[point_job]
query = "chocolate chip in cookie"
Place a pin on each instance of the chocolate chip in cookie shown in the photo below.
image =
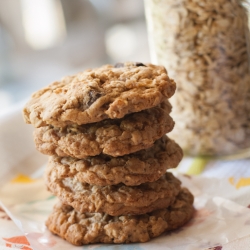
(93, 96)
(140, 64)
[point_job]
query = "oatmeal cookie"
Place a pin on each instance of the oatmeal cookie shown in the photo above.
(84, 228)
(114, 199)
(147, 165)
(98, 94)
(114, 137)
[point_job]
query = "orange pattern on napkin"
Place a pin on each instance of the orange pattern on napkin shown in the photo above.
(18, 242)
(242, 182)
(22, 179)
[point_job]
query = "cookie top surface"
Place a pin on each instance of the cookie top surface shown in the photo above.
(114, 199)
(97, 94)
(114, 137)
(147, 165)
(84, 228)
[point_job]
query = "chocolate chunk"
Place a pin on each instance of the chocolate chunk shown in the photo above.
(119, 65)
(139, 64)
(93, 96)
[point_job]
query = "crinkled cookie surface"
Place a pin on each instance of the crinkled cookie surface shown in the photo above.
(84, 228)
(98, 94)
(114, 137)
(114, 199)
(147, 165)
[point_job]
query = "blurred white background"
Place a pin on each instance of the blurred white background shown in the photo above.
(43, 40)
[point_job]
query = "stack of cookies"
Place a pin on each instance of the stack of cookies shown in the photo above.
(105, 131)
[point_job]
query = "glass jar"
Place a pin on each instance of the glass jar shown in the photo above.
(204, 46)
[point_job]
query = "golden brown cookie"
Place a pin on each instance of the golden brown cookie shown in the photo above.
(114, 137)
(114, 199)
(147, 165)
(84, 228)
(98, 94)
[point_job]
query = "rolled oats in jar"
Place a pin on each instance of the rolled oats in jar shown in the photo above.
(204, 46)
